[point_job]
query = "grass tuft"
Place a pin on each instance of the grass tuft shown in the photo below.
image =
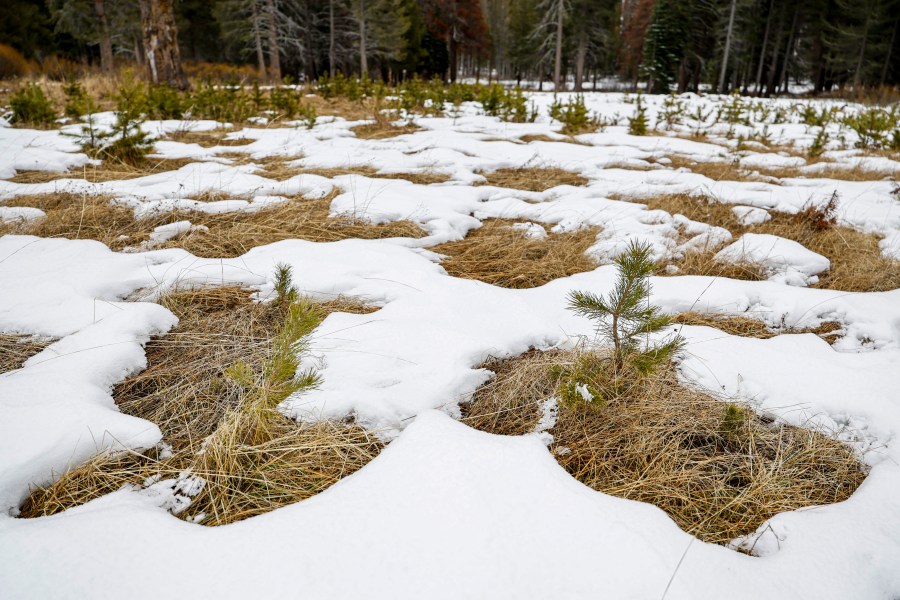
(499, 254)
(229, 235)
(717, 468)
(108, 170)
(213, 385)
(16, 349)
(857, 263)
(532, 179)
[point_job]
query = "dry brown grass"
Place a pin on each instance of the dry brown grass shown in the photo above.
(107, 171)
(717, 468)
(251, 463)
(717, 171)
(16, 349)
(730, 324)
(830, 331)
(497, 253)
(77, 216)
(82, 216)
(339, 106)
(833, 171)
(233, 234)
(280, 169)
(540, 137)
(210, 138)
(857, 264)
(533, 179)
(705, 263)
(733, 171)
(380, 131)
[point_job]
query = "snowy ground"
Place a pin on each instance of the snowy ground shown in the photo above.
(446, 511)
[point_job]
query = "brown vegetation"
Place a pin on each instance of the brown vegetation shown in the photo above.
(382, 130)
(209, 138)
(229, 235)
(857, 264)
(532, 179)
(253, 459)
(499, 254)
(829, 331)
(108, 170)
(280, 169)
(716, 467)
(16, 349)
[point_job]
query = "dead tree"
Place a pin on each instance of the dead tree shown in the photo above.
(161, 43)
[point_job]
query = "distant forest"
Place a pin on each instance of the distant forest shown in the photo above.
(755, 46)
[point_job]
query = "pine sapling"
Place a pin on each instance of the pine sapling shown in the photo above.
(625, 315)
(637, 125)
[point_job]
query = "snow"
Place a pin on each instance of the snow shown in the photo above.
(446, 511)
(461, 514)
(784, 260)
(20, 214)
(750, 215)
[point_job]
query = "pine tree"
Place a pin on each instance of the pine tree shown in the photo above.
(664, 45)
(624, 315)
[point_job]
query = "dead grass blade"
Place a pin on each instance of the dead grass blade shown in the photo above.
(830, 331)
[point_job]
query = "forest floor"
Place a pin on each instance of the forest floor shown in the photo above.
(151, 421)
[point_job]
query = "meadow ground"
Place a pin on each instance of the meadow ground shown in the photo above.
(196, 345)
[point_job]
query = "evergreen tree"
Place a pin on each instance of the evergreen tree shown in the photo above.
(664, 45)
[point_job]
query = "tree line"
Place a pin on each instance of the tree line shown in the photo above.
(754, 46)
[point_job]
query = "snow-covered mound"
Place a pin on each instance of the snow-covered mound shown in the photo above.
(784, 260)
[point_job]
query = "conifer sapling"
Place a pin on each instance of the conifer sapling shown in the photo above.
(625, 314)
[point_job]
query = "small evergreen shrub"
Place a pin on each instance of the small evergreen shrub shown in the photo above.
(672, 112)
(163, 102)
(637, 125)
(78, 101)
(875, 127)
(574, 116)
(819, 143)
(31, 106)
(624, 319)
(509, 105)
(284, 101)
(125, 142)
(734, 110)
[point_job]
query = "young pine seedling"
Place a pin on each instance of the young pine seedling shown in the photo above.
(625, 318)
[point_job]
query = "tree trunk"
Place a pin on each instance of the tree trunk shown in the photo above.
(776, 50)
(274, 49)
(363, 64)
(161, 43)
(557, 68)
(106, 50)
(890, 52)
(580, 54)
(762, 52)
(857, 73)
(788, 51)
(138, 51)
(727, 47)
(818, 51)
(331, 38)
(257, 39)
